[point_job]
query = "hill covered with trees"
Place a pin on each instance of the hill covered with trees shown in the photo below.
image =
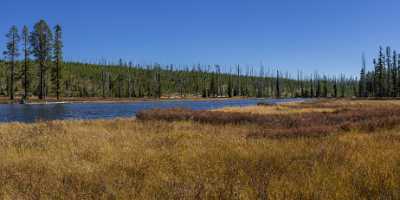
(33, 66)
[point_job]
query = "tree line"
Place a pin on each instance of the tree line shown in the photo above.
(46, 50)
(384, 79)
(34, 66)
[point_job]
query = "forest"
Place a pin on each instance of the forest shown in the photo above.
(33, 66)
(384, 79)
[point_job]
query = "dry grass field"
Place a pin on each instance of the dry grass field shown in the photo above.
(332, 149)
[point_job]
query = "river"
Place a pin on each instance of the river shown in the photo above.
(33, 113)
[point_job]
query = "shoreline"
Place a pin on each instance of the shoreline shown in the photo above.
(4, 101)
(135, 106)
(98, 100)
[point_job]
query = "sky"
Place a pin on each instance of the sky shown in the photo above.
(328, 36)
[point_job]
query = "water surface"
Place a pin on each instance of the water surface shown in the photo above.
(32, 113)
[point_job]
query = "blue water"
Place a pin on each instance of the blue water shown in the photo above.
(32, 113)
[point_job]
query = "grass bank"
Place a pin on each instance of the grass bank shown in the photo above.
(225, 154)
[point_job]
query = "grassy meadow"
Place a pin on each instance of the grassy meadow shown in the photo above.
(329, 149)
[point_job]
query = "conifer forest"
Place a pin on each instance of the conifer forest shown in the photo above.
(33, 65)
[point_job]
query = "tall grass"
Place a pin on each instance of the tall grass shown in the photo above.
(147, 159)
(344, 118)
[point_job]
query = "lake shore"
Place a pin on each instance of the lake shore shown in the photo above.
(330, 149)
(83, 100)
(52, 100)
(34, 112)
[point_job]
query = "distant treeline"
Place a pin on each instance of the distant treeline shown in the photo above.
(34, 66)
(384, 79)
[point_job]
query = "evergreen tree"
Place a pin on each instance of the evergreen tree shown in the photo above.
(236, 91)
(278, 87)
(230, 87)
(312, 88)
(12, 54)
(342, 86)
(380, 73)
(27, 51)
(363, 81)
(395, 75)
(41, 43)
(318, 92)
(158, 83)
(398, 73)
(57, 55)
(388, 74)
(335, 88)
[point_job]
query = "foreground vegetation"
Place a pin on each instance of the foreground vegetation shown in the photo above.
(166, 157)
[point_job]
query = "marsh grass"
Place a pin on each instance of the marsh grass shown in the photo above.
(188, 159)
(362, 116)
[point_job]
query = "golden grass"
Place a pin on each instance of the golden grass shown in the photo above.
(131, 159)
(273, 109)
(307, 107)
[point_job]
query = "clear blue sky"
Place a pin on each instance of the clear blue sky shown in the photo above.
(324, 35)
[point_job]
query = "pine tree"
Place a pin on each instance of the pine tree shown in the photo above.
(398, 73)
(363, 81)
(312, 88)
(27, 51)
(230, 87)
(335, 88)
(395, 74)
(278, 87)
(103, 83)
(57, 56)
(212, 89)
(388, 74)
(381, 73)
(325, 87)
(158, 82)
(318, 92)
(342, 86)
(236, 91)
(12, 54)
(41, 39)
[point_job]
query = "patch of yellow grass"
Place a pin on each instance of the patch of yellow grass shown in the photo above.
(307, 107)
(273, 109)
